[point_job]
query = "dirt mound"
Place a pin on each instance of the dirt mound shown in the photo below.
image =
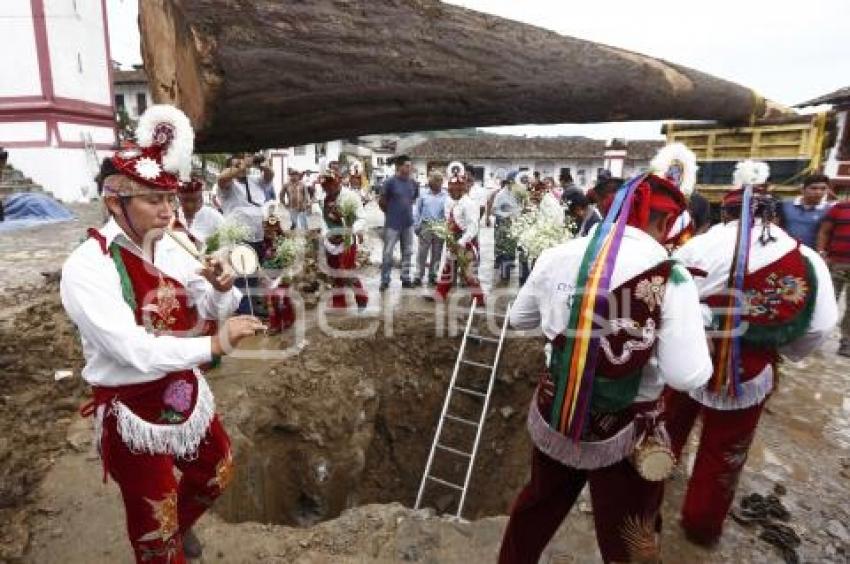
(36, 340)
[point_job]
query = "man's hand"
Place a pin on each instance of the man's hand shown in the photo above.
(217, 274)
(234, 330)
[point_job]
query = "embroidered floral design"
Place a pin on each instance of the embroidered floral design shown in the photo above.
(178, 395)
(223, 472)
(646, 333)
(166, 302)
(651, 291)
(165, 514)
(779, 289)
(638, 534)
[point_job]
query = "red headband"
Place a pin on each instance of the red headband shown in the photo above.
(656, 194)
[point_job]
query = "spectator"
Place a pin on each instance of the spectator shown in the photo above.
(430, 208)
(584, 215)
(801, 217)
(569, 190)
(700, 211)
(833, 244)
(602, 194)
(396, 201)
(241, 197)
(296, 197)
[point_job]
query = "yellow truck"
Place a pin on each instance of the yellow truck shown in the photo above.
(793, 147)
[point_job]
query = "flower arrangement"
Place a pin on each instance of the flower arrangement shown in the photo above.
(230, 233)
(348, 204)
(442, 230)
(537, 231)
(286, 253)
(520, 192)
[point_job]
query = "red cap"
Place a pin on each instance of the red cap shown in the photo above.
(656, 194)
(194, 186)
(733, 198)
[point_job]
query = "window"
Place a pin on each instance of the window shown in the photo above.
(141, 102)
(119, 103)
(300, 151)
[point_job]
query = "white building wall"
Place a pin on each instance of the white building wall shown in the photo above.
(18, 59)
(67, 173)
(841, 123)
(78, 50)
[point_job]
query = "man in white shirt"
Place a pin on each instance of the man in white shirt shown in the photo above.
(790, 310)
(198, 220)
(140, 301)
(649, 335)
(241, 195)
(461, 258)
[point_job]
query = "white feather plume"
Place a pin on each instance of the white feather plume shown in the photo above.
(453, 165)
(677, 153)
(177, 156)
(750, 173)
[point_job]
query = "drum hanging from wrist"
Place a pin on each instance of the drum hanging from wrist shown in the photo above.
(653, 458)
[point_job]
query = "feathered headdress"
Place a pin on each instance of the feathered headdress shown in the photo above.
(678, 164)
(456, 173)
(750, 173)
(163, 158)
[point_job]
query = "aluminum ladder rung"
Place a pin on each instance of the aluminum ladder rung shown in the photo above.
(483, 338)
(461, 420)
(445, 415)
(445, 483)
(478, 364)
(470, 392)
(485, 313)
(454, 450)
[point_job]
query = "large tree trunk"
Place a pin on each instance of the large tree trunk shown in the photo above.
(269, 73)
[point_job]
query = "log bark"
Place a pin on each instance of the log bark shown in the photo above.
(273, 73)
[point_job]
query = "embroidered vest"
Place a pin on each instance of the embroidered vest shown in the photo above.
(169, 415)
(779, 302)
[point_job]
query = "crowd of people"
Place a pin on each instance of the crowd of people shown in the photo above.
(617, 400)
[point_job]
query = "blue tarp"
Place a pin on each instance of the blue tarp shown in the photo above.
(28, 209)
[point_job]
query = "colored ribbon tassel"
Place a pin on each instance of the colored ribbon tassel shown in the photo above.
(727, 379)
(576, 362)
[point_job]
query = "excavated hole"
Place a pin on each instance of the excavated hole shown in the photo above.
(350, 422)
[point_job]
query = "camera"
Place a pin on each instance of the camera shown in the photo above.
(258, 159)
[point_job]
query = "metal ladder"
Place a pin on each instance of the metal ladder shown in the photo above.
(446, 416)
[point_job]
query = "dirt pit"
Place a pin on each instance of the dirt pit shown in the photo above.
(350, 422)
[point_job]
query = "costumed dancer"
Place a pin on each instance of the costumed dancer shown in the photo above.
(343, 231)
(137, 297)
(678, 164)
(462, 250)
(281, 312)
(193, 217)
(596, 417)
(789, 306)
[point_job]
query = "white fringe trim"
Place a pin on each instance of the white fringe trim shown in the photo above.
(180, 440)
(753, 392)
(584, 455)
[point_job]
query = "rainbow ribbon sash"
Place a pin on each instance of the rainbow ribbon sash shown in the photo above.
(576, 362)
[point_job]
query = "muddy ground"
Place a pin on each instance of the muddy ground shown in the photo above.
(331, 441)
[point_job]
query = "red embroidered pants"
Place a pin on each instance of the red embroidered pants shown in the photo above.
(347, 260)
(625, 511)
(723, 446)
(281, 310)
(447, 276)
(159, 507)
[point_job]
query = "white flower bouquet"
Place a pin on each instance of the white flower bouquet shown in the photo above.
(537, 231)
(348, 204)
(228, 234)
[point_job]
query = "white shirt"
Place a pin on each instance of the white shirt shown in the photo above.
(119, 352)
(712, 252)
(680, 359)
(466, 214)
(236, 206)
(207, 220)
(551, 209)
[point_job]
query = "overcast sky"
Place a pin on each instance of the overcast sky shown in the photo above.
(788, 51)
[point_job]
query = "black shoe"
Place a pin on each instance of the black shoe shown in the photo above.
(384, 286)
(417, 283)
(432, 281)
(407, 284)
(192, 546)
